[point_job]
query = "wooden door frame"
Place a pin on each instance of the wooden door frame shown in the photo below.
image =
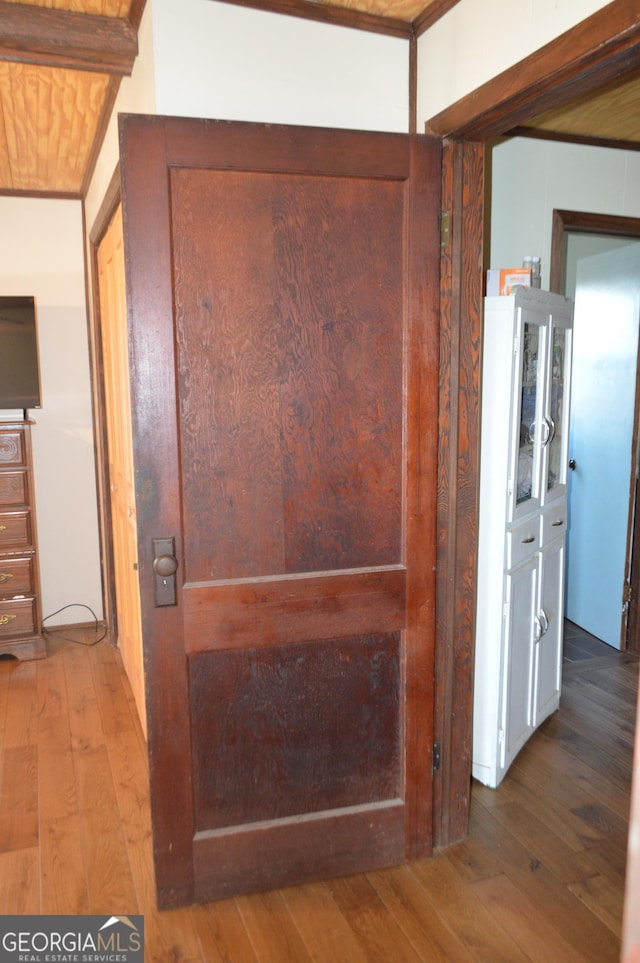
(594, 51)
(582, 222)
(107, 209)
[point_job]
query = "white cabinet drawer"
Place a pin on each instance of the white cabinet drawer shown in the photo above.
(554, 523)
(523, 542)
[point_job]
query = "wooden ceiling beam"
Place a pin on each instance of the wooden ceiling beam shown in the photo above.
(63, 38)
(329, 13)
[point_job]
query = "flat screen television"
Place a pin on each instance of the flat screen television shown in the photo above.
(19, 364)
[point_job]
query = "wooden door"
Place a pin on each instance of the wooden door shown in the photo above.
(283, 297)
(117, 408)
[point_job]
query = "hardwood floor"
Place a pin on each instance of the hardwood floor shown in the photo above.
(540, 876)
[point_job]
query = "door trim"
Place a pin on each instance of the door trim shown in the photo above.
(458, 477)
(96, 234)
(592, 52)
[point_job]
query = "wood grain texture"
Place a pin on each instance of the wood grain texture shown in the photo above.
(40, 108)
(316, 727)
(609, 110)
(301, 442)
(256, 612)
(458, 473)
(290, 371)
(337, 14)
(121, 548)
(101, 8)
(13, 488)
(37, 34)
(502, 893)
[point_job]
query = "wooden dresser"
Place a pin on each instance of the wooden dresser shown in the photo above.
(20, 607)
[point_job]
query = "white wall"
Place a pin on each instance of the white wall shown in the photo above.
(41, 253)
(532, 177)
(476, 41)
(233, 63)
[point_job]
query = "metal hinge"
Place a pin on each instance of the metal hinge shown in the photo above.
(626, 593)
(437, 756)
(445, 229)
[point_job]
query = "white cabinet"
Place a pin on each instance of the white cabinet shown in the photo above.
(523, 483)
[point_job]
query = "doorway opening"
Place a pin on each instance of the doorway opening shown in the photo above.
(591, 255)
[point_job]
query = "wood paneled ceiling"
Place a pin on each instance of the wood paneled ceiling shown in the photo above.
(61, 62)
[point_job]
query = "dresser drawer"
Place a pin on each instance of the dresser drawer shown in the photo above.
(17, 617)
(16, 577)
(13, 488)
(12, 448)
(15, 530)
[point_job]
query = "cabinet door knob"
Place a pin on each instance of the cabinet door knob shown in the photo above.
(541, 625)
(572, 464)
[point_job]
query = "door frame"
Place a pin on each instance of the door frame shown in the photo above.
(582, 222)
(98, 230)
(596, 50)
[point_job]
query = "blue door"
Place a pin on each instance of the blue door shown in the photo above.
(605, 349)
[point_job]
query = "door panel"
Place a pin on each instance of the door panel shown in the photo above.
(605, 351)
(316, 726)
(283, 290)
(548, 648)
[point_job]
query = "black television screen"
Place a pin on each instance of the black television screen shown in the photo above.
(19, 367)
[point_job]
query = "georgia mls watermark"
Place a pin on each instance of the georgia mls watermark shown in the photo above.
(71, 939)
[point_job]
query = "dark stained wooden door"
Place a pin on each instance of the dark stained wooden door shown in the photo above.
(283, 296)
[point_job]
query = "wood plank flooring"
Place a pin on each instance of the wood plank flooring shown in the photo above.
(540, 876)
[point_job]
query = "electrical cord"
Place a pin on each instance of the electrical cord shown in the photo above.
(66, 638)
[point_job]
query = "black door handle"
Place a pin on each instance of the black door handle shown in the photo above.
(165, 566)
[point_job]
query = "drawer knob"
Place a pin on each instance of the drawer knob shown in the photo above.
(5, 577)
(5, 619)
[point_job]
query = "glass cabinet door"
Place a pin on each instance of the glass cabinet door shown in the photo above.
(556, 420)
(530, 424)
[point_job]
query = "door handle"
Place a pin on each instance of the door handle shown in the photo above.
(541, 625)
(165, 566)
(550, 425)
